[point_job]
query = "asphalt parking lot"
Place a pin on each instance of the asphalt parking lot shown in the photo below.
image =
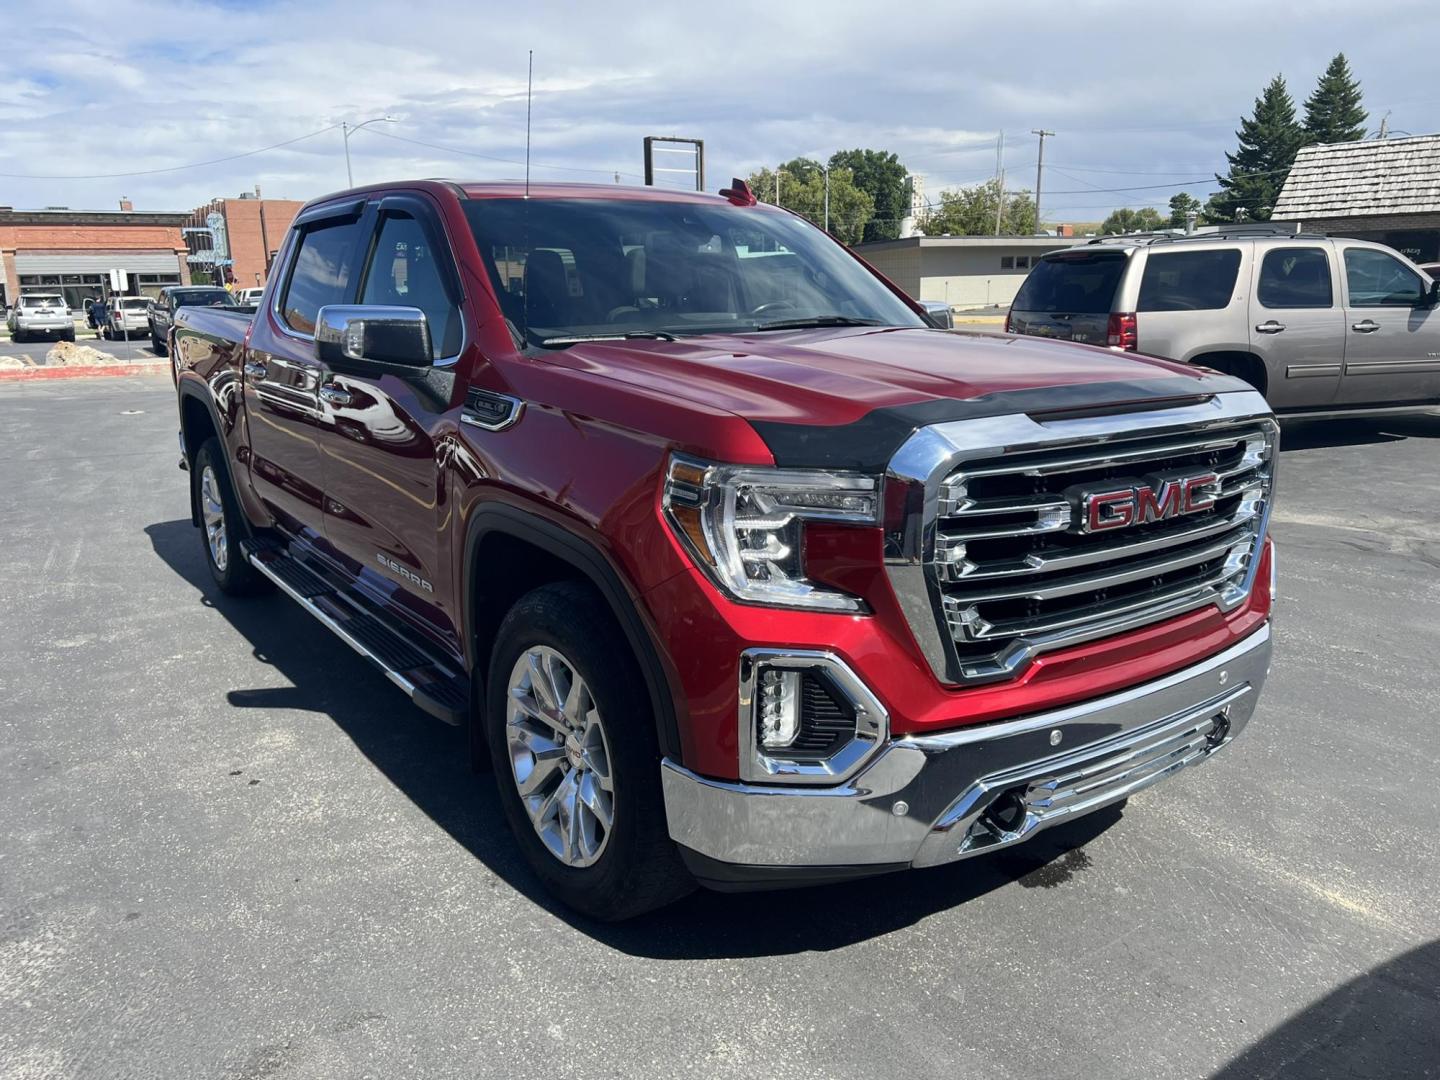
(229, 848)
(136, 349)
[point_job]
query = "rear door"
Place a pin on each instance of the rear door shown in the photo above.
(1069, 295)
(1392, 338)
(1297, 325)
(384, 494)
(282, 376)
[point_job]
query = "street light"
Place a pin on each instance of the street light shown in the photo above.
(347, 129)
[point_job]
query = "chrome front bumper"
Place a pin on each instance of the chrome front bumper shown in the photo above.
(927, 800)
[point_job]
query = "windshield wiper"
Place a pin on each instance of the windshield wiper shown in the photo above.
(577, 339)
(818, 320)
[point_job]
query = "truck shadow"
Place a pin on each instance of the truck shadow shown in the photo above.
(428, 761)
(1301, 434)
(1385, 1022)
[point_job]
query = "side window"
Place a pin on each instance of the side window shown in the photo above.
(1189, 280)
(321, 273)
(404, 272)
(1295, 278)
(1375, 279)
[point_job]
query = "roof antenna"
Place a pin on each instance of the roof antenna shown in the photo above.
(529, 92)
(525, 212)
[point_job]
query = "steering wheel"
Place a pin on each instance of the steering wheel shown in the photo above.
(773, 305)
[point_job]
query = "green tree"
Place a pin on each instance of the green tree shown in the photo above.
(802, 189)
(1333, 113)
(881, 176)
(1181, 206)
(1125, 220)
(970, 211)
(1269, 140)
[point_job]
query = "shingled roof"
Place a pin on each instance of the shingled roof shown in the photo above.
(1377, 176)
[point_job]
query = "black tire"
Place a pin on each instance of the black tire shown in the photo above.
(18, 337)
(212, 492)
(157, 345)
(638, 867)
(68, 335)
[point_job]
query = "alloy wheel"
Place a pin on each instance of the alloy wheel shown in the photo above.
(559, 756)
(212, 513)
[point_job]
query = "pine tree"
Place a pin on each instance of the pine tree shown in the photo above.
(1269, 140)
(1333, 113)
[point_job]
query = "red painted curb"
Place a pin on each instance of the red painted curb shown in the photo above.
(27, 374)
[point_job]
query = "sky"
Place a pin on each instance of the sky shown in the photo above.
(1144, 97)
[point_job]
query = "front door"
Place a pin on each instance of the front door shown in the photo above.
(1392, 339)
(282, 377)
(1297, 327)
(385, 497)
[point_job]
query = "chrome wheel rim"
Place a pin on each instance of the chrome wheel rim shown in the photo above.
(212, 514)
(559, 756)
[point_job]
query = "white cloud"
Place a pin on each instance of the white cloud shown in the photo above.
(1128, 86)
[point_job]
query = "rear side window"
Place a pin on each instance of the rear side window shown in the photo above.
(321, 273)
(1081, 284)
(1295, 278)
(1189, 280)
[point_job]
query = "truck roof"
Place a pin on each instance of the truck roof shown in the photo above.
(515, 189)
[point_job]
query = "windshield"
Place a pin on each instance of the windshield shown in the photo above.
(203, 298)
(639, 267)
(1076, 284)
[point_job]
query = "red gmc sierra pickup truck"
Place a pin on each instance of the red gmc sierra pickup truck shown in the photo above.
(738, 570)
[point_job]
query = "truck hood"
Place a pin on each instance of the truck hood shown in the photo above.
(834, 377)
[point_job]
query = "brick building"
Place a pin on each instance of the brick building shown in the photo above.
(237, 239)
(1386, 190)
(73, 251)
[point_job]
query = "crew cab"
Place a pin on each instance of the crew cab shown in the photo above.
(736, 568)
(160, 312)
(1315, 323)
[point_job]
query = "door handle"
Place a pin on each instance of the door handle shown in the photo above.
(334, 395)
(1365, 326)
(1271, 327)
(255, 369)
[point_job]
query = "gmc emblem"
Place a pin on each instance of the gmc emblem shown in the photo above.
(1152, 499)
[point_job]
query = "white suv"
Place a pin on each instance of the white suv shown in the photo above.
(42, 314)
(1316, 323)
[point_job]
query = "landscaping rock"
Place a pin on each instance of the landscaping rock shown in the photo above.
(71, 354)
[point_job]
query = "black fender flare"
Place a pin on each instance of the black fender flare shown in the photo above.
(191, 389)
(585, 557)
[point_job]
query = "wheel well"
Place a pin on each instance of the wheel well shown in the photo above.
(195, 424)
(506, 568)
(508, 552)
(1245, 366)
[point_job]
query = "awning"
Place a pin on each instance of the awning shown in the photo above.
(90, 262)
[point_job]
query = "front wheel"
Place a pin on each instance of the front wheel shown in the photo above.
(220, 524)
(576, 760)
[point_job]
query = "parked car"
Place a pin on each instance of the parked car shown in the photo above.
(126, 318)
(161, 311)
(738, 569)
(40, 315)
(249, 297)
(1315, 323)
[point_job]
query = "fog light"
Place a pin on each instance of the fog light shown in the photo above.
(779, 707)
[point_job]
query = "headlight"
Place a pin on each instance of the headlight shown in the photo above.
(744, 525)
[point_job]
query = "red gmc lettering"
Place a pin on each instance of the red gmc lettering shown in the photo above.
(1110, 510)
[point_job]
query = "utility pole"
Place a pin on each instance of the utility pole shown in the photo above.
(1039, 167)
(999, 181)
(347, 129)
(777, 185)
(827, 197)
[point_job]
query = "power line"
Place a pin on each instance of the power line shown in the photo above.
(173, 168)
(501, 160)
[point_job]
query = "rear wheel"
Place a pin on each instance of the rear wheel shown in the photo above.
(221, 528)
(156, 344)
(18, 337)
(576, 760)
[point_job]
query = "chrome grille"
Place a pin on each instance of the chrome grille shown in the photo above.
(1008, 570)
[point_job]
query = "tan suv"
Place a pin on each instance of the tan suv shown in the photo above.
(1315, 323)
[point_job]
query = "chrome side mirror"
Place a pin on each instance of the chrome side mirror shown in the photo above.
(372, 339)
(939, 314)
